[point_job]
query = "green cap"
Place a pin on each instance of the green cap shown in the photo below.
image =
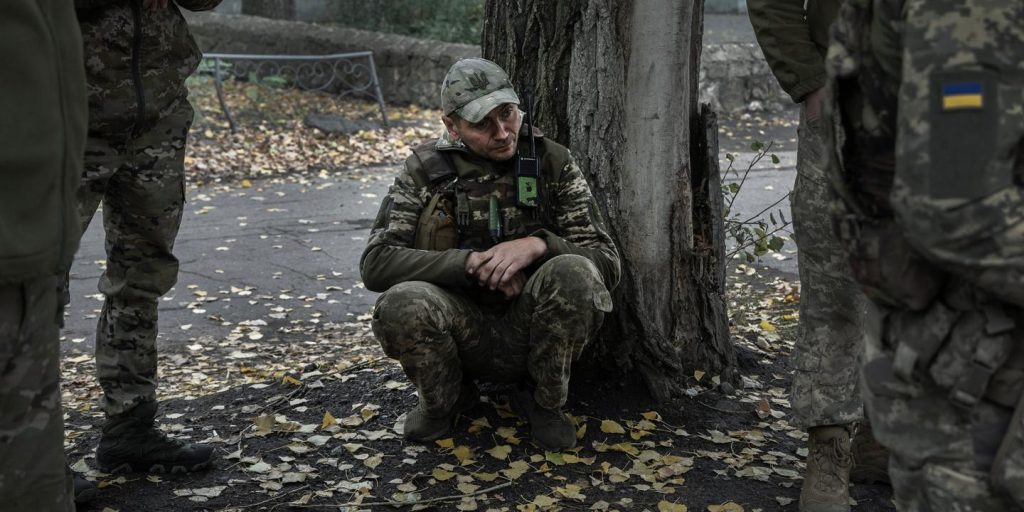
(473, 87)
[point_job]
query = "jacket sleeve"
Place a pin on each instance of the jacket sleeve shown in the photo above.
(389, 258)
(93, 4)
(580, 227)
(198, 5)
(784, 34)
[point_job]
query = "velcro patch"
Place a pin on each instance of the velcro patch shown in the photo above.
(963, 95)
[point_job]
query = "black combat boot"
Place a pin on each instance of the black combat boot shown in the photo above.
(85, 491)
(131, 443)
(421, 428)
(870, 458)
(551, 429)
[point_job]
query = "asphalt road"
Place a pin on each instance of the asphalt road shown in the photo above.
(286, 252)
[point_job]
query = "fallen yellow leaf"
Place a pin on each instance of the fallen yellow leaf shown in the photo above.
(725, 507)
(767, 326)
(448, 443)
(668, 506)
(611, 427)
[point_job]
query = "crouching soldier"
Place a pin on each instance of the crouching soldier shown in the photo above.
(493, 261)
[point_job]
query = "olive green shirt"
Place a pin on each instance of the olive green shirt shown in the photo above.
(794, 40)
(42, 137)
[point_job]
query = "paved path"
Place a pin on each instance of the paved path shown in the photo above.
(287, 252)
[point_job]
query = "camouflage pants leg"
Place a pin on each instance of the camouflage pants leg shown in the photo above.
(34, 473)
(142, 187)
(832, 307)
(942, 454)
(429, 330)
(441, 337)
(548, 326)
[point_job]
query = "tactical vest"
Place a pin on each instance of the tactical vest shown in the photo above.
(472, 201)
(931, 208)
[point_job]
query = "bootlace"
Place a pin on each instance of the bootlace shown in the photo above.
(830, 456)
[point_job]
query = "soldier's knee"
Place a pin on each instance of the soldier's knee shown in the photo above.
(570, 275)
(404, 312)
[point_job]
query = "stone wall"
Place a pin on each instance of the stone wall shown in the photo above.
(733, 76)
(410, 70)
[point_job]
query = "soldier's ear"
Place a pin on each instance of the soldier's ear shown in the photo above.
(451, 126)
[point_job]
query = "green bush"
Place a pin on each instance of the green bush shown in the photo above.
(457, 21)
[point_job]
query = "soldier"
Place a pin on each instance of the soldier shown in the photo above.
(928, 164)
(793, 35)
(42, 97)
(493, 261)
(138, 54)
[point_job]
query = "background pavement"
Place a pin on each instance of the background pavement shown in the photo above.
(286, 251)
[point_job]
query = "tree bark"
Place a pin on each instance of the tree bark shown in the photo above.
(616, 81)
(276, 9)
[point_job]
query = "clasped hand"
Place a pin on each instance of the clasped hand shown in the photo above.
(500, 267)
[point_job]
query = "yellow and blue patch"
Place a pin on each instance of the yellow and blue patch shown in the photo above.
(963, 96)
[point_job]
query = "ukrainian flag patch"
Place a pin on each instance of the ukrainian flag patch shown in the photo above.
(963, 96)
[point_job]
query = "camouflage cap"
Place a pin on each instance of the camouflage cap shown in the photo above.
(473, 87)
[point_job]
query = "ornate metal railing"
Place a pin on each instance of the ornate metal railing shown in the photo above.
(344, 74)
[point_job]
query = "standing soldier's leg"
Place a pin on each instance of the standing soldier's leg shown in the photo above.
(560, 310)
(824, 393)
(142, 212)
(34, 474)
(429, 330)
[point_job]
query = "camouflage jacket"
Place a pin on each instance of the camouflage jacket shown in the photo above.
(42, 138)
(794, 40)
(571, 226)
(136, 62)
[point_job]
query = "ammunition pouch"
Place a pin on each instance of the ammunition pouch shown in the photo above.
(1008, 468)
(436, 229)
(888, 269)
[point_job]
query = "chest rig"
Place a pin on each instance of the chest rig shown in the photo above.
(474, 203)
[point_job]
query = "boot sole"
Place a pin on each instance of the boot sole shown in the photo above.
(129, 467)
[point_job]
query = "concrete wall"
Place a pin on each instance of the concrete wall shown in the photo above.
(410, 70)
(725, 6)
(733, 76)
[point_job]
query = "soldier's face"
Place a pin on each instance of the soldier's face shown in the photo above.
(494, 137)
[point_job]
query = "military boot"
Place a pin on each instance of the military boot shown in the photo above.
(132, 443)
(827, 479)
(85, 491)
(870, 458)
(551, 429)
(421, 428)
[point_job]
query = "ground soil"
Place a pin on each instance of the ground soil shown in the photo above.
(705, 450)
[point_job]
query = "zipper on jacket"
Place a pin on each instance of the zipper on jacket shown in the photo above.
(137, 67)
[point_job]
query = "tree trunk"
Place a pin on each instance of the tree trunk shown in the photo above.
(616, 80)
(276, 9)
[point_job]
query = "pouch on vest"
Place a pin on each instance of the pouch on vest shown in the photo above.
(1008, 468)
(886, 266)
(436, 229)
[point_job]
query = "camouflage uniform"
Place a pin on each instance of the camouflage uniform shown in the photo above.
(928, 165)
(42, 96)
(137, 60)
(832, 308)
(446, 330)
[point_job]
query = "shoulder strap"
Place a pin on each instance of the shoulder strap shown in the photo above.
(435, 164)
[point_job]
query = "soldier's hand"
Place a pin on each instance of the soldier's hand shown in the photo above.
(155, 4)
(814, 103)
(514, 287)
(503, 261)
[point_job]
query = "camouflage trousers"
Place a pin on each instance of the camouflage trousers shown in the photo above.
(141, 184)
(944, 445)
(441, 337)
(832, 307)
(33, 473)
